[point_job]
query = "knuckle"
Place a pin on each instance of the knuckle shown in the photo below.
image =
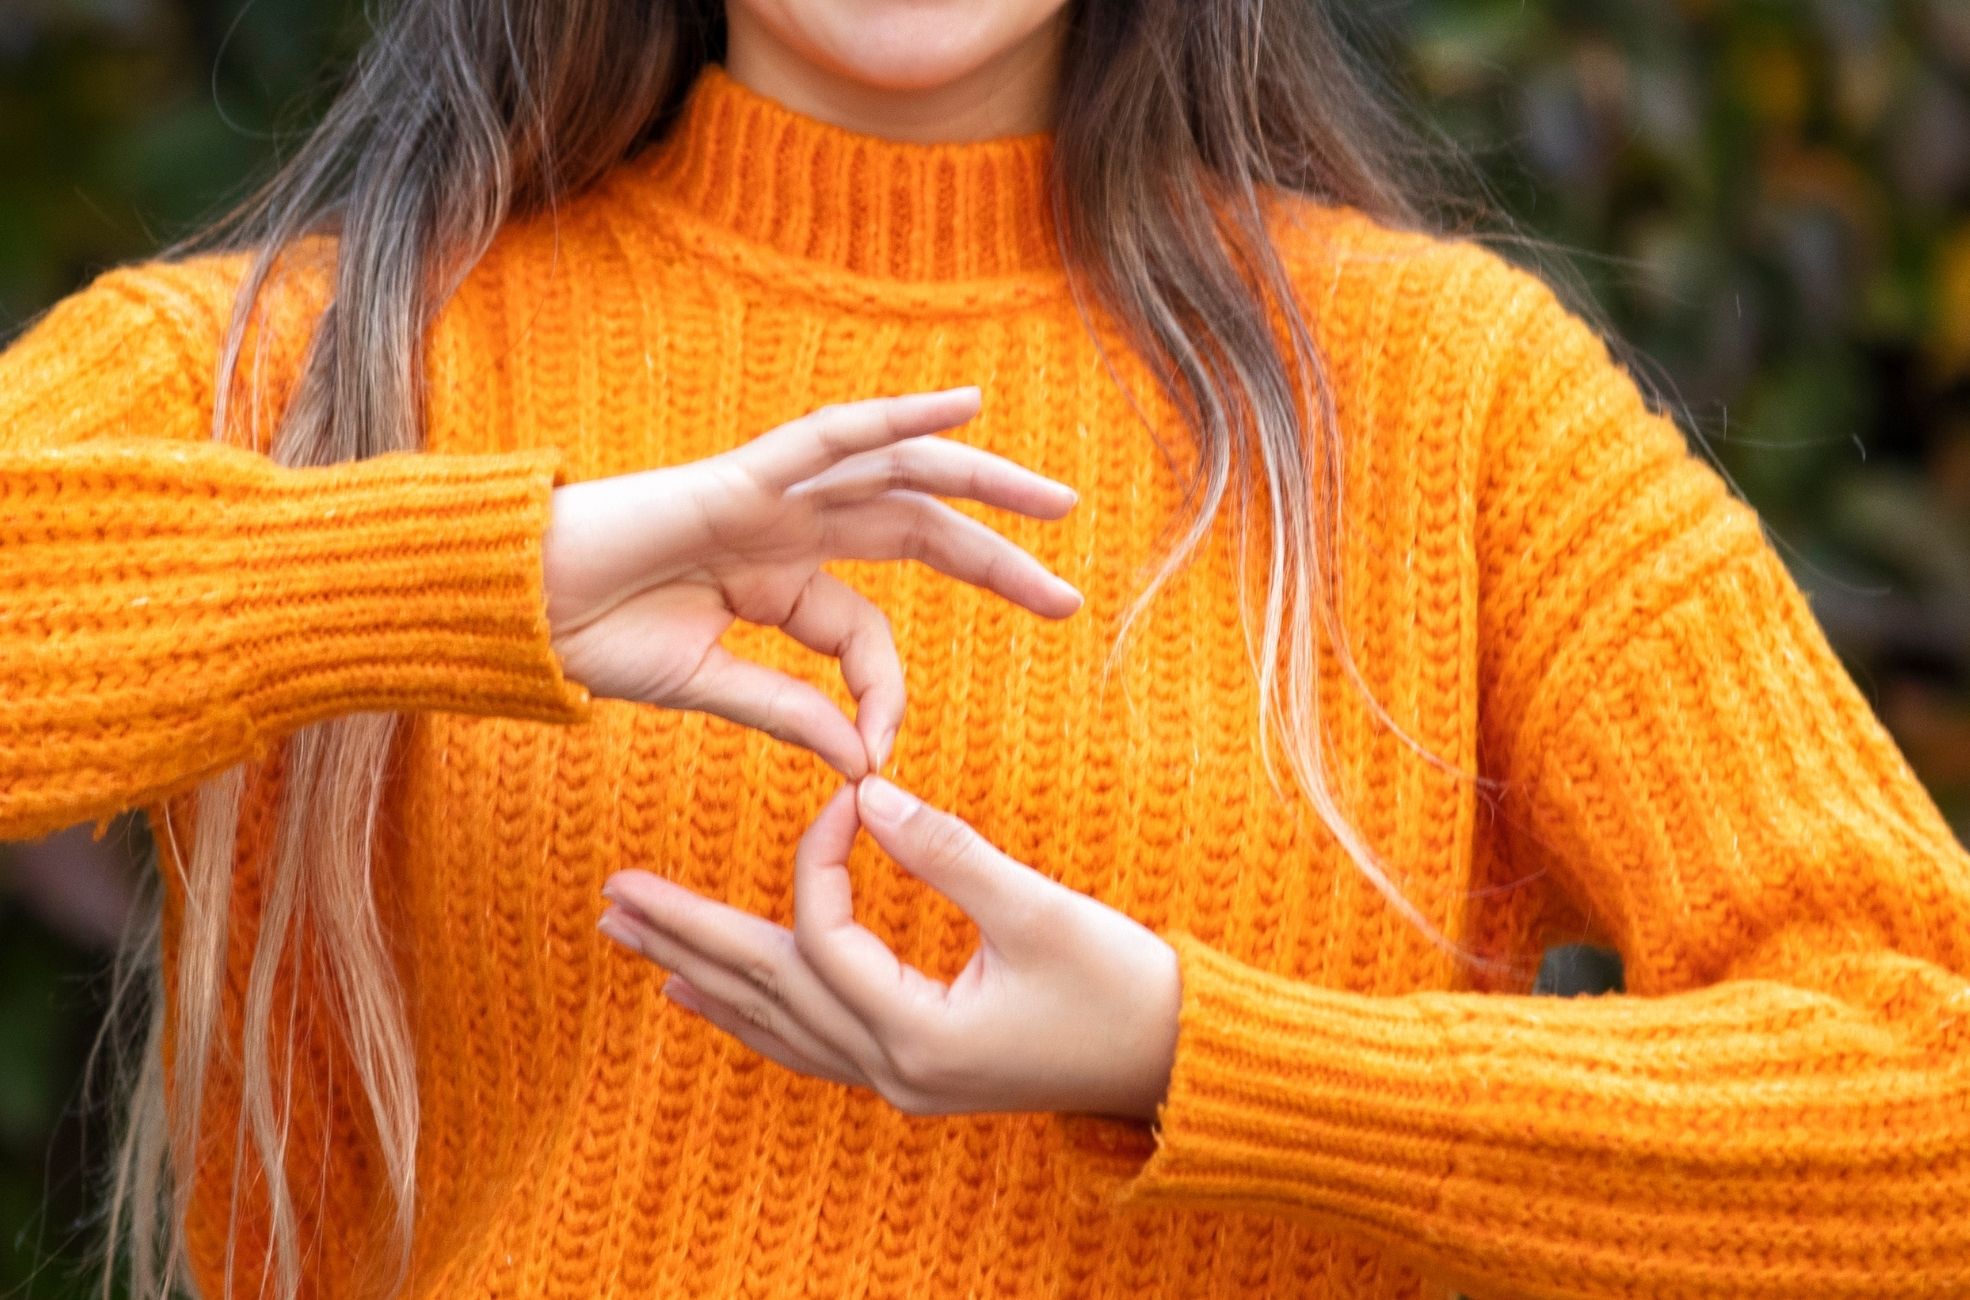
(809, 943)
(1042, 916)
(765, 976)
(776, 712)
(993, 576)
(919, 1061)
(730, 483)
(916, 534)
(787, 607)
(906, 1099)
(758, 1015)
(946, 841)
(837, 434)
(879, 625)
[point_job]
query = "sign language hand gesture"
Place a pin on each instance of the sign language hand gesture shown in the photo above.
(644, 572)
(1067, 1005)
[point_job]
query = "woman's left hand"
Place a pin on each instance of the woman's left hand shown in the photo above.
(1067, 1005)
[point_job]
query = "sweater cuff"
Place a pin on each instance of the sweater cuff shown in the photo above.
(407, 581)
(1285, 1093)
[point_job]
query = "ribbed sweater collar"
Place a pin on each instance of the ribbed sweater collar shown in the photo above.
(768, 175)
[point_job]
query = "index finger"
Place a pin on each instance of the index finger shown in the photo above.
(832, 618)
(856, 965)
(802, 448)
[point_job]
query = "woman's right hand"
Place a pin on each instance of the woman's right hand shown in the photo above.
(645, 571)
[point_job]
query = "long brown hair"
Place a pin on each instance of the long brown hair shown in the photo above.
(1177, 121)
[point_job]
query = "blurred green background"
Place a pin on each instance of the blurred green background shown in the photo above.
(1769, 201)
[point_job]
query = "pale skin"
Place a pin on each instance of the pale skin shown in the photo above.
(645, 572)
(1067, 1004)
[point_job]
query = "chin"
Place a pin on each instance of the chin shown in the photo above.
(902, 45)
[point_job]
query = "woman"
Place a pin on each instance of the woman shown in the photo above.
(1136, 1016)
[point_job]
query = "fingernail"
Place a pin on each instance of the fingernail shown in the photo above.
(884, 802)
(884, 749)
(613, 925)
(649, 884)
(613, 891)
(621, 908)
(682, 994)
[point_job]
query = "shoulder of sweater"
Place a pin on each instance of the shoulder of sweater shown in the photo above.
(1412, 294)
(185, 303)
(182, 306)
(1532, 370)
(141, 341)
(1344, 260)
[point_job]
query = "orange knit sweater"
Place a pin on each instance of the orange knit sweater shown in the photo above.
(1540, 583)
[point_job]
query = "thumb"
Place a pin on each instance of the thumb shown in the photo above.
(948, 855)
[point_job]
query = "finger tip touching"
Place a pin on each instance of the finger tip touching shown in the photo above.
(838, 817)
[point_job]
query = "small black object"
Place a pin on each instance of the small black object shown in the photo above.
(1575, 968)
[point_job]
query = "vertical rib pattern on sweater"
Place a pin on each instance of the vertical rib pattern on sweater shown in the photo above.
(1539, 581)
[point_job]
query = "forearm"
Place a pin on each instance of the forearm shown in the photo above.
(166, 608)
(1756, 1137)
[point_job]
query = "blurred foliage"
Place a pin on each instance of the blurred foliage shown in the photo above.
(1770, 203)
(50, 1003)
(1768, 199)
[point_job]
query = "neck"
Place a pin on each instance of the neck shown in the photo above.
(1010, 93)
(754, 170)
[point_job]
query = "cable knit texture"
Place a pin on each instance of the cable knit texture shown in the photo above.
(1538, 579)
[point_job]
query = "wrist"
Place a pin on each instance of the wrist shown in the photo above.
(1158, 1001)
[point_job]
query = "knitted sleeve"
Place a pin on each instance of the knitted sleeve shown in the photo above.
(1780, 1106)
(170, 604)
